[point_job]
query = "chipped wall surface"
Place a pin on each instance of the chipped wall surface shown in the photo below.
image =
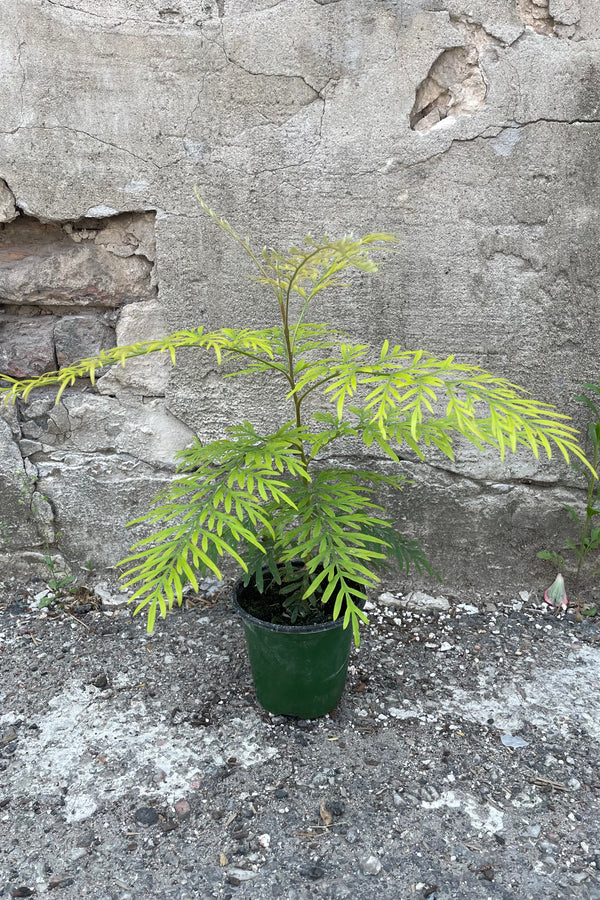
(469, 128)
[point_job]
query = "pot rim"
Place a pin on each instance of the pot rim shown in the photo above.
(282, 629)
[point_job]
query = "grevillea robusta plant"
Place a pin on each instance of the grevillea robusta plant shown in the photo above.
(275, 498)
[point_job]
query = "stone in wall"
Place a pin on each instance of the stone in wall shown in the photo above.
(61, 286)
(26, 345)
(8, 210)
(148, 375)
(128, 235)
(17, 523)
(98, 461)
(76, 337)
(89, 424)
(64, 291)
(94, 497)
(87, 264)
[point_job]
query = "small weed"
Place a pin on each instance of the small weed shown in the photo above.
(587, 533)
(60, 583)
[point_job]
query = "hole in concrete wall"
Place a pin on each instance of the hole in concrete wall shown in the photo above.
(455, 85)
(550, 17)
(536, 15)
(62, 287)
(66, 292)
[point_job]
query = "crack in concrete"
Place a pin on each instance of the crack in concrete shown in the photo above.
(88, 134)
(22, 43)
(100, 140)
(456, 83)
(316, 92)
(82, 12)
(233, 62)
(318, 96)
(489, 133)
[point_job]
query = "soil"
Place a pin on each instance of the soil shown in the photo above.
(462, 761)
(269, 605)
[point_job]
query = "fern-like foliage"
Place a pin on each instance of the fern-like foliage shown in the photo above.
(270, 500)
(218, 502)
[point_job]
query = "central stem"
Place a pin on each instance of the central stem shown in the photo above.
(284, 307)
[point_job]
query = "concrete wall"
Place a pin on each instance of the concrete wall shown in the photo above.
(469, 127)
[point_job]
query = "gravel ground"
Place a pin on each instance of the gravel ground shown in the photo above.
(142, 766)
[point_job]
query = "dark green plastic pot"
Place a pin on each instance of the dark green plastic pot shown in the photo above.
(297, 670)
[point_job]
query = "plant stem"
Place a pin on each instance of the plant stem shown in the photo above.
(588, 516)
(292, 380)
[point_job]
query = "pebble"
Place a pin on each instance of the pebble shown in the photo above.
(336, 807)
(342, 891)
(22, 891)
(85, 839)
(145, 815)
(547, 846)
(210, 586)
(313, 872)
(80, 807)
(547, 866)
(468, 609)
(58, 881)
(513, 740)
(370, 864)
(237, 876)
(321, 778)
(109, 601)
(421, 600)
(111, 604)
(182, 808)
(487, 873)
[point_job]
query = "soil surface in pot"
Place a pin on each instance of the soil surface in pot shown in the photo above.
(269, 606)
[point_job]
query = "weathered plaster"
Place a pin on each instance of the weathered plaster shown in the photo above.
(292, 116)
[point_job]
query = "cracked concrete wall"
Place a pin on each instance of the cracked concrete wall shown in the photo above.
(469, 127)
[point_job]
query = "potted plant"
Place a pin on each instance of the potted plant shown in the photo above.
(309, 535)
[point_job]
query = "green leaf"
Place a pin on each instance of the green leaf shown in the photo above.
(572, 513)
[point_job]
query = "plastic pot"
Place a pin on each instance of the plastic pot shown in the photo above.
(298, 670)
